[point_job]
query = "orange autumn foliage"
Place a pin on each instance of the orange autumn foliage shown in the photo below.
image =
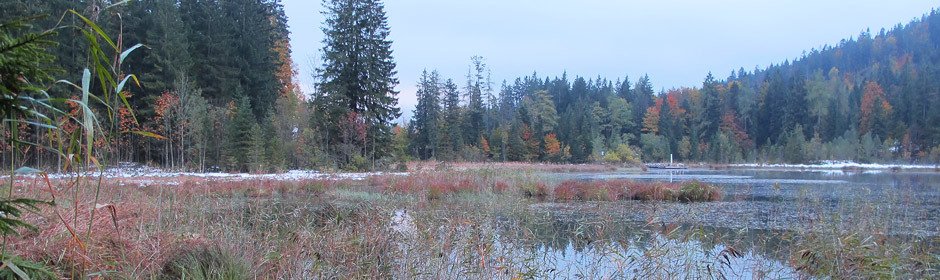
(873, 98)
(651, 119)
(552, 145)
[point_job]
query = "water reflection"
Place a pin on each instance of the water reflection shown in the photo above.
(583, 245)
(761, 211)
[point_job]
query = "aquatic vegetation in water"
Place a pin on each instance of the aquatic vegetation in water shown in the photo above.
(583, 190)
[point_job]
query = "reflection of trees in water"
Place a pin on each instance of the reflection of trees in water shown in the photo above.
(590, 232)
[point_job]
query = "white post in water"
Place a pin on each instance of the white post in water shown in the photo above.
(670, 159)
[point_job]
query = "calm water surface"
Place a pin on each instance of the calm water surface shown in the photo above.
(760, 211)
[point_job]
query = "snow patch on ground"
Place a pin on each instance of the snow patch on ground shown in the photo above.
(140, 172)
(832, 164)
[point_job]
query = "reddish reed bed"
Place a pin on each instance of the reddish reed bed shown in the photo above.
(579, 190)
(139, 226)
(587, 190)
(433, 185)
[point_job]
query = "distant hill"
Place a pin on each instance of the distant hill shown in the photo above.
(871, 98)
(885, 86)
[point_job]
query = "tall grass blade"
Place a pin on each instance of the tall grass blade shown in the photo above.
(129, 51)
(19, 272)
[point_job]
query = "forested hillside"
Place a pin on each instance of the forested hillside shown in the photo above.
(217, 84)
(871, 98)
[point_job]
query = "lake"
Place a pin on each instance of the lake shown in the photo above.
(748, 234)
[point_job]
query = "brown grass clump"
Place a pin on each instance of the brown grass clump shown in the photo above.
(653, 191)
(537, 190)
(693, 191)
(587, 190)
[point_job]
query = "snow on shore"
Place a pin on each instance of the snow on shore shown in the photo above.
(836, 165)
(125, 172)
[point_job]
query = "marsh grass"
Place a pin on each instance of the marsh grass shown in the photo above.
(482, 225)
(205, 263)
(872, 240)
(613, 190)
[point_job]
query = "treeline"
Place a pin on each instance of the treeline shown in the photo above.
(217, 85)
(872, 98)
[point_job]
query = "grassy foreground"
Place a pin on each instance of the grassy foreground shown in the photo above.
(476, 223)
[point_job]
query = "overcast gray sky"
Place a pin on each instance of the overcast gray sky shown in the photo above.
(677, 42)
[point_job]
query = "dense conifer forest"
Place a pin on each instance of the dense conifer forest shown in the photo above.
(217, 83)
(872, 98)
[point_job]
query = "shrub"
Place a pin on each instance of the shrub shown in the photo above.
(436, 192)
(696, 191)
(535, 190)
(567, 190)
(464, 186)
(612, 157)
(653, 191)
(622, 154)
(589, 190)
(500, 187)
(619, 190)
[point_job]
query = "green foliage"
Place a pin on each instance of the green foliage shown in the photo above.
(935, 154)
(205, 263)
(256, 149)
(655, 148)
(235, 50)
(428, 117)
(348, 58)
(240, 140)
(695, 191)
(794, 146)
(516, 149)
(10, 212)
(833, 98)
(540, 112)
(23, 269)
(24, 67)
(623, 154)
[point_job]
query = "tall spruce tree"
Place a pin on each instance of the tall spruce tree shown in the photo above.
(427, 116)
(474, 90)
(358, 72)
(453, 139)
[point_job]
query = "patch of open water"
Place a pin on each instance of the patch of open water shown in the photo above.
(758, 202)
